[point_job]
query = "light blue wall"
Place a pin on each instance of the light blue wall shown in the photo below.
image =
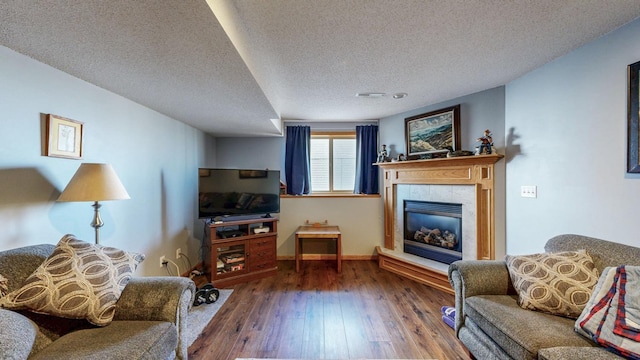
(155, 157)
(361, 219)
(561, 127)
(567, 121)
(478, 112)
(251, 153)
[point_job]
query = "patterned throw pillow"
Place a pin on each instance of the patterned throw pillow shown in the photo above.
(78, 281)
(555, 283)
(4, 286)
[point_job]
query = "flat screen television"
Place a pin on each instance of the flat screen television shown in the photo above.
(238, 193)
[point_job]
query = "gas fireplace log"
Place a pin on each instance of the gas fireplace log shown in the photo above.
(436, 237)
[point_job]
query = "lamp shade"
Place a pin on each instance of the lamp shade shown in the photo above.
(94, 182)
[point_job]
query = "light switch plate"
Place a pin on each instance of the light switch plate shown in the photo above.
(528, 191)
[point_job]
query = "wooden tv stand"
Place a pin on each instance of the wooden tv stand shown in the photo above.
(239, 253)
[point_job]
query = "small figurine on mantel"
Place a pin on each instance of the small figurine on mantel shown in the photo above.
(383, 155)
(486, 143)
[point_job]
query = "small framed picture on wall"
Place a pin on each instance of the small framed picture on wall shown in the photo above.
(64, 137)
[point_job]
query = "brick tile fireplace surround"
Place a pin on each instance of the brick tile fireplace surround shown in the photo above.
(469, 181)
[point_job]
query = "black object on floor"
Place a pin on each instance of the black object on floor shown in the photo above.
(207, 294)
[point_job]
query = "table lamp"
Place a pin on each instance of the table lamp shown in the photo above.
(94, 182)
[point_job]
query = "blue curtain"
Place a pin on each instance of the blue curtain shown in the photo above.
(366, 155)
(297, 163)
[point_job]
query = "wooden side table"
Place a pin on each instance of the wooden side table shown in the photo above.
(319, 232)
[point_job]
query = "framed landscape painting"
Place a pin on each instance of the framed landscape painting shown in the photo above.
(433, 132)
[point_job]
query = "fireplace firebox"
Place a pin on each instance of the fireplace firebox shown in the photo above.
(433, 230)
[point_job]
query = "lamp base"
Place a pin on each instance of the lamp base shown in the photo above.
(97, 222)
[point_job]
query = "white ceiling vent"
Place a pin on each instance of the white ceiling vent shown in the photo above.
(370, 95)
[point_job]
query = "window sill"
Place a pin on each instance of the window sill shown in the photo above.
(329, 195)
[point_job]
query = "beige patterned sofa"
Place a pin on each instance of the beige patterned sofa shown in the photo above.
(148, 321)
(492, 325)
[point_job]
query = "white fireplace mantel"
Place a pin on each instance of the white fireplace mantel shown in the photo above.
(476, 171)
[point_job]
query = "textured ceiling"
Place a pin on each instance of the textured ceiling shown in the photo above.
(236, 67)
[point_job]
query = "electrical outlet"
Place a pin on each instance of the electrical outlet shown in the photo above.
(162, 261)
(178, 252)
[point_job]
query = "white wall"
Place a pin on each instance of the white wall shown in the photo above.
(359, 219)
(566, 133)
(155, 157)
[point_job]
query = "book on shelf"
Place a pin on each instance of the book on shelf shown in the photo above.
(232, 258)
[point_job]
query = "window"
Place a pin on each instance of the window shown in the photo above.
(333, 162)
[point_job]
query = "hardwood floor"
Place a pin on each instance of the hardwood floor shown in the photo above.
(362, 313)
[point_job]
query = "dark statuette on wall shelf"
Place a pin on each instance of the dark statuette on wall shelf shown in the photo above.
(383, 155)
(486, 143)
